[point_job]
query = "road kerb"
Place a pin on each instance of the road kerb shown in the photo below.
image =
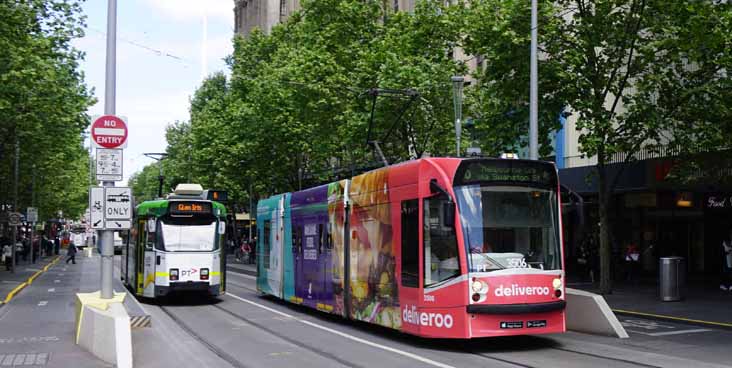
(30, 280)
(12, 293)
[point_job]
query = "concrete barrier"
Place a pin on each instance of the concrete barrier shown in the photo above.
(589, 313)
(103, 328)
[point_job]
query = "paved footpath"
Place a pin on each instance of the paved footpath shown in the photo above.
(12, 283)
(37, 326)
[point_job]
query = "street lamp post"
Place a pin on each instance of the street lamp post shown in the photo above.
(457, 99)
(534, 88)
(159, 158)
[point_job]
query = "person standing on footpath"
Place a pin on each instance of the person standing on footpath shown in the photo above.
(726, 277)
(71, 253)
(7, 256)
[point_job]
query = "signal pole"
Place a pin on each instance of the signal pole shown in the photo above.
(106, 237)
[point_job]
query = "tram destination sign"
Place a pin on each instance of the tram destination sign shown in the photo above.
(506, 171)
(188, 208)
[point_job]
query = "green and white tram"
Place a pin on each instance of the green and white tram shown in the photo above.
(176, 244)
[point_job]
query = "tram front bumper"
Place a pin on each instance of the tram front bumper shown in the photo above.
(188, 286)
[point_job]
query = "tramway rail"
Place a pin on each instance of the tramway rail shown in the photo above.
(517, 362)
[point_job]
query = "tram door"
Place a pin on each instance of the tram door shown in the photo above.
(272, 235)
(148, 259)
(312, 255)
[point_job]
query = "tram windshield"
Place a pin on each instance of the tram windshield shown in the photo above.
(509, 227)
(190, 235)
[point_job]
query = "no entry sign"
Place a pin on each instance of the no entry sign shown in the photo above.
(109, 131)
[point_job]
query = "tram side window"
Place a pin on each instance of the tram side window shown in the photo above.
(440, 243)
(410, 243)
(296, 239)
(266, 244)
(150, 238)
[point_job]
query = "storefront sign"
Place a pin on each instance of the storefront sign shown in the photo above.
(719, 202)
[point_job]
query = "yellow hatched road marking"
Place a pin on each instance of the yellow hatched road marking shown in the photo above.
(673, 318)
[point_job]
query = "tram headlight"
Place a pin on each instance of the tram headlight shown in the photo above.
(204, 274)
(173, 274)
(477, 286)
(557, 283)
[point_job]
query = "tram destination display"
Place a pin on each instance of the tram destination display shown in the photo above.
(188, 208)
(505, 171)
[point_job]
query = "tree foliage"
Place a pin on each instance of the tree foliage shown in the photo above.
(43, 103)
(637, 74)
(297, 108)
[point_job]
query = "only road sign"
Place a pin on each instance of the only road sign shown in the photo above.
(117, 203)
(109, 131)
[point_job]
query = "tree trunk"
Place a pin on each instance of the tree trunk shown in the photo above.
(605, 246)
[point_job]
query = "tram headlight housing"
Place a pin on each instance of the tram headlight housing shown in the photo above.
(173, 274)
(204, 274)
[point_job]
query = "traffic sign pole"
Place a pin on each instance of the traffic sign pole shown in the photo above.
(105, 237)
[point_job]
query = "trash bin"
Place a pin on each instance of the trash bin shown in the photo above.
(672, 278)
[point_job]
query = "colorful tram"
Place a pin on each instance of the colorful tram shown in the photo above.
(176, 245)
(435, 247)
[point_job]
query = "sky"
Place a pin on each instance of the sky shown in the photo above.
(161, 60)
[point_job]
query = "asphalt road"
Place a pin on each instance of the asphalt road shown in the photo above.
(245, 329)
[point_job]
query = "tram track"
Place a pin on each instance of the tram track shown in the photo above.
(517, 363)
(600, 360)
(290, 340)
(214, 349)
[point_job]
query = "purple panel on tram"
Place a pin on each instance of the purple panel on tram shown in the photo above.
(311, 250)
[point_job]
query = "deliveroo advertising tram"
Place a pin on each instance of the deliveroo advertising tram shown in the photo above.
(176, 245)
(436, 247)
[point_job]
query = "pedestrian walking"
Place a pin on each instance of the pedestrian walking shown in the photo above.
(71, 253)
(632, 260)
(7, 256)
(726, 277)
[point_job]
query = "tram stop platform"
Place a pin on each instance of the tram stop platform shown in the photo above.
(704, 304)
(37, 324)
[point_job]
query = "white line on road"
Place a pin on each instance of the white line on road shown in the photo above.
(681, 332)
(57, 281)
(42, 303)
(343, 334)
(242, 275)
(51, 290)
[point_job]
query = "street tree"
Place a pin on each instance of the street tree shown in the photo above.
(632, 72)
